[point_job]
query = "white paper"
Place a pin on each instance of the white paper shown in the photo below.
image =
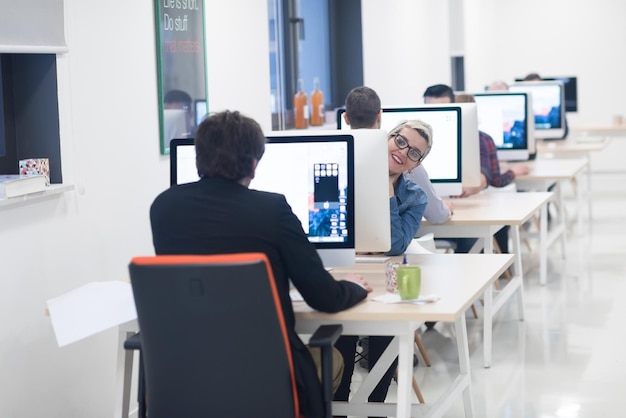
(90, 309)
(395, 298)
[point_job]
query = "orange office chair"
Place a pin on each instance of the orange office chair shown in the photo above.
(198, 316)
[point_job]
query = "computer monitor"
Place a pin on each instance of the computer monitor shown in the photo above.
(200, 110)
(571, 91)
(371, 186)
(444, 162)
(548, 99)
(470, 143)
(183, 161)
(507, 118)
(316, 176)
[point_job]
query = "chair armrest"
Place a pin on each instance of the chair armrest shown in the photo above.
(326, 335)
(133, 343)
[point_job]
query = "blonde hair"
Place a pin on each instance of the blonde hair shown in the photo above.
(422, 128)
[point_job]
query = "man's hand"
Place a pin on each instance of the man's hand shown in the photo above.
(358, 279)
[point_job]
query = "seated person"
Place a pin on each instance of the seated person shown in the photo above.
(409, 143)
(363, 110)
(219, 214)
(438, 93)
(497, 85)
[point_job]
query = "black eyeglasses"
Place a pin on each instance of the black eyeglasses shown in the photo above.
(414, 154)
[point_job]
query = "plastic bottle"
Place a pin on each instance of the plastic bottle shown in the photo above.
(301, 108)
(317, 104)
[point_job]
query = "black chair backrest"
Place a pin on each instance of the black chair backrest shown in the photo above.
(214, 342)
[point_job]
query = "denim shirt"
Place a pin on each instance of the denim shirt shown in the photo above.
(406, 209)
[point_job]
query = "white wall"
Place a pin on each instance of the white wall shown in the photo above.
(110, 150)
(508, 39)
(406, 48)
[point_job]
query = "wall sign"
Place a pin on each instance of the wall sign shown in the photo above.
(181, 60)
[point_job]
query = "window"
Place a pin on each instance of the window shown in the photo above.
(313, 39)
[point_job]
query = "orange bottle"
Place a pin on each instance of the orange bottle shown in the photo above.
(317, 104)
(301, 108)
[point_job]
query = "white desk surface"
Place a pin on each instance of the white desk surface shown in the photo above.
(613, 130)
(550, 169)
(458, 279)
(496, 208)
(573, 145)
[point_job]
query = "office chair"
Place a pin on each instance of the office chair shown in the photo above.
(198, 317)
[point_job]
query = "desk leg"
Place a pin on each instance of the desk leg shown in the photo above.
(488, 325)
(543, 244)
(123, 376)
(488, 247)
(405, 372)
(588, 191)
(518, 269)
(377, 372)
(403, 346)
(488, 308)
(558, 192)
(462, 344)
(579, 204)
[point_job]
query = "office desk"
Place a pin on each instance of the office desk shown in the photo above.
(605, 130)
(576, 146)
(481, 216)
(573, 146)
(458, 279)
(544, 173)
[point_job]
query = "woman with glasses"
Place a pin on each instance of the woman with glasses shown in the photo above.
(409, 143)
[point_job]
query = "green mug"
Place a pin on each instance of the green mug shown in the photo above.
(409, 280)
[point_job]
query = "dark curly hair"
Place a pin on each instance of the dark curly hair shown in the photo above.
(227, 143)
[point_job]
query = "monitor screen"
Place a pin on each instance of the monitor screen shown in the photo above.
(548, 100)
(506, 118)
(470, 144)
(571, 91)
(319, 187)
(444, 160)
(371, 186)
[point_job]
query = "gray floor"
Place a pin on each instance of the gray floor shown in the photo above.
(567, 359)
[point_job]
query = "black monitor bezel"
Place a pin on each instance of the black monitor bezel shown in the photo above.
(174, 144)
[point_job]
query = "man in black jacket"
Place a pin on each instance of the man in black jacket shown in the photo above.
(219, 214)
